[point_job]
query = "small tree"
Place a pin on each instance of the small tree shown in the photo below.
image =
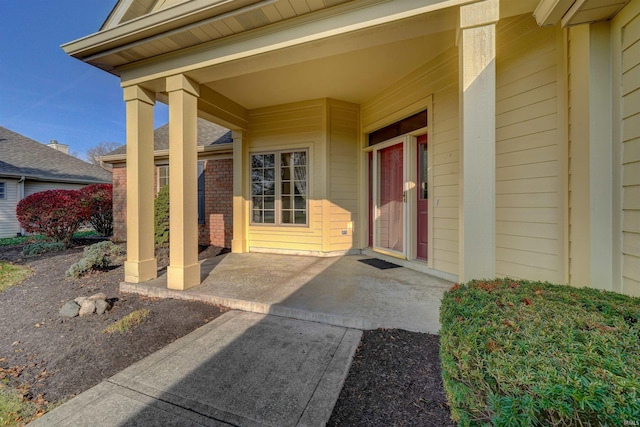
(101, 149)
(161, 206)
(55, 213)
(99, 200)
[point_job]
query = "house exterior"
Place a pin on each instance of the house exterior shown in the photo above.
(464, 138)
(27, 167)
(215, 182)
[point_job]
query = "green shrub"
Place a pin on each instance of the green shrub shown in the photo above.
(95, 257)
(161, 223)
(40, 248)
(525, 353)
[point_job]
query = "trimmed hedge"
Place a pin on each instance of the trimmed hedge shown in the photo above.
(517, 353)
(99, 200)
(161, 217)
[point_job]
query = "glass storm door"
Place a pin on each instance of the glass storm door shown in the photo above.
(390, 219)
(423, 198)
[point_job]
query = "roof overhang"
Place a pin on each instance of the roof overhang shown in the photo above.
(575, 12)
(202, 151)
(51, 179)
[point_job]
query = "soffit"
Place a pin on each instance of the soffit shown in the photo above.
(586, 11)
(575, 12)
(144, 30)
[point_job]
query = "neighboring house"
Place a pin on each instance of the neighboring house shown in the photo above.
(463, 138)
(215, 182)
(27, 167)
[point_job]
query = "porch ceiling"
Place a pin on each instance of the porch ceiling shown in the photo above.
(351, 76)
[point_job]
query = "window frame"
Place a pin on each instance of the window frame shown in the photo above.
(159, 186)
(201, 189)
(278, 206)
(3, 190)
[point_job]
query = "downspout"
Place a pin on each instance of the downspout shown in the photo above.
(20, 195)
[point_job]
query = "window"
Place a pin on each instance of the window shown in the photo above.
(163, 179)
(3, 190)
(163, 176)
(279, 188)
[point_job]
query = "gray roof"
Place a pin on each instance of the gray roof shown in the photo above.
(208, 134)
(22, 156)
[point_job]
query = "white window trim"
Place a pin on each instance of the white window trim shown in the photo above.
(278, 192)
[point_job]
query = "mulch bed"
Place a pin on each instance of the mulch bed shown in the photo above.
(394, 378)
(51, 359)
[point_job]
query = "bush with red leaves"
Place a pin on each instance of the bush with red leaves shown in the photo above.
(99, 199)
(55, 213)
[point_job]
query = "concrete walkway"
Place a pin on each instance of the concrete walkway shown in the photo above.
(242, 369)
(280, 362)
(340, 291)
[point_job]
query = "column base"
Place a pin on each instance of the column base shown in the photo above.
(183, 278)
(239, 246)
(140, 271)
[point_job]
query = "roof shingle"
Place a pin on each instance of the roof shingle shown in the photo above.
(22, 156)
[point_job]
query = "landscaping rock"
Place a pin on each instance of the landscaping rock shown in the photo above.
(98, 296)
(80, 299)
(101, 306)
(87, 307)
(69, 310)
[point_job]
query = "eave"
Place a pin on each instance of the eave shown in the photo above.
(160, 154)
(575, 12)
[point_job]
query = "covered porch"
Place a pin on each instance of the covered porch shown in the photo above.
(341, 291)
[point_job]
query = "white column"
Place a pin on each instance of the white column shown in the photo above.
(184, 270)
(477, 44)
(141, 263)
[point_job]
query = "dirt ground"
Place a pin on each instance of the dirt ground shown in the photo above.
(394, 379)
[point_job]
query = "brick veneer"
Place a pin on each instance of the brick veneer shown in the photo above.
(218, 203)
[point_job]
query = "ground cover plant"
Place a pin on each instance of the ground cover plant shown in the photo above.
(127, 322)
(98, 256)
(522, 353)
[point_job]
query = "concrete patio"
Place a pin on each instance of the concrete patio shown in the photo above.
(340, 291)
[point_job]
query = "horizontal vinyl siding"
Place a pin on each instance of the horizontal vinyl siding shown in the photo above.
(343, 175)
(529, 193)
(631, 157)
(8, 220)
(31, 187)
(292, 126)
(437, 78)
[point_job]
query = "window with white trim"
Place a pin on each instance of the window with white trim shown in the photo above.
(3, 190)
(279, 188)
(163, 176)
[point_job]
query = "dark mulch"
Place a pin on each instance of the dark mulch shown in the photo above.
(43, 354)
(394, 380)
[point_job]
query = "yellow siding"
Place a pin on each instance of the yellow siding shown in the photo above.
(8, 220)
(439, 78)
(292, 126)
(630, 165)
(344, 122)
(529, 195)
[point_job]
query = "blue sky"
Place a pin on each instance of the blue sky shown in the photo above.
(46, 94)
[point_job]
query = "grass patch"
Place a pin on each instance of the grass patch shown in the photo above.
(14, 409)
(530, 353)
(22, 240)
(34, 238)
(11, 275)
(127, 322)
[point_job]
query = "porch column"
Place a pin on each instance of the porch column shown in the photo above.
(184, 270)
(239, 244)
(141, 263)
(477, 44)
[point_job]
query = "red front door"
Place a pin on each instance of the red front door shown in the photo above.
(423, 198)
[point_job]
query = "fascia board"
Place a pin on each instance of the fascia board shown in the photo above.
(209, 149)
(550, 12)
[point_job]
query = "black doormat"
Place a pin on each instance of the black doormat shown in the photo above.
(379, 264)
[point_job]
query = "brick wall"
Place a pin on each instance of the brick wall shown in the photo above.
(218, 206)
(119, 204)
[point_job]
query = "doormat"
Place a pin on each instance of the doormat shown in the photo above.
(379, 264)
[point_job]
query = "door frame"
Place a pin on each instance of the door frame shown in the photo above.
(403, 139)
